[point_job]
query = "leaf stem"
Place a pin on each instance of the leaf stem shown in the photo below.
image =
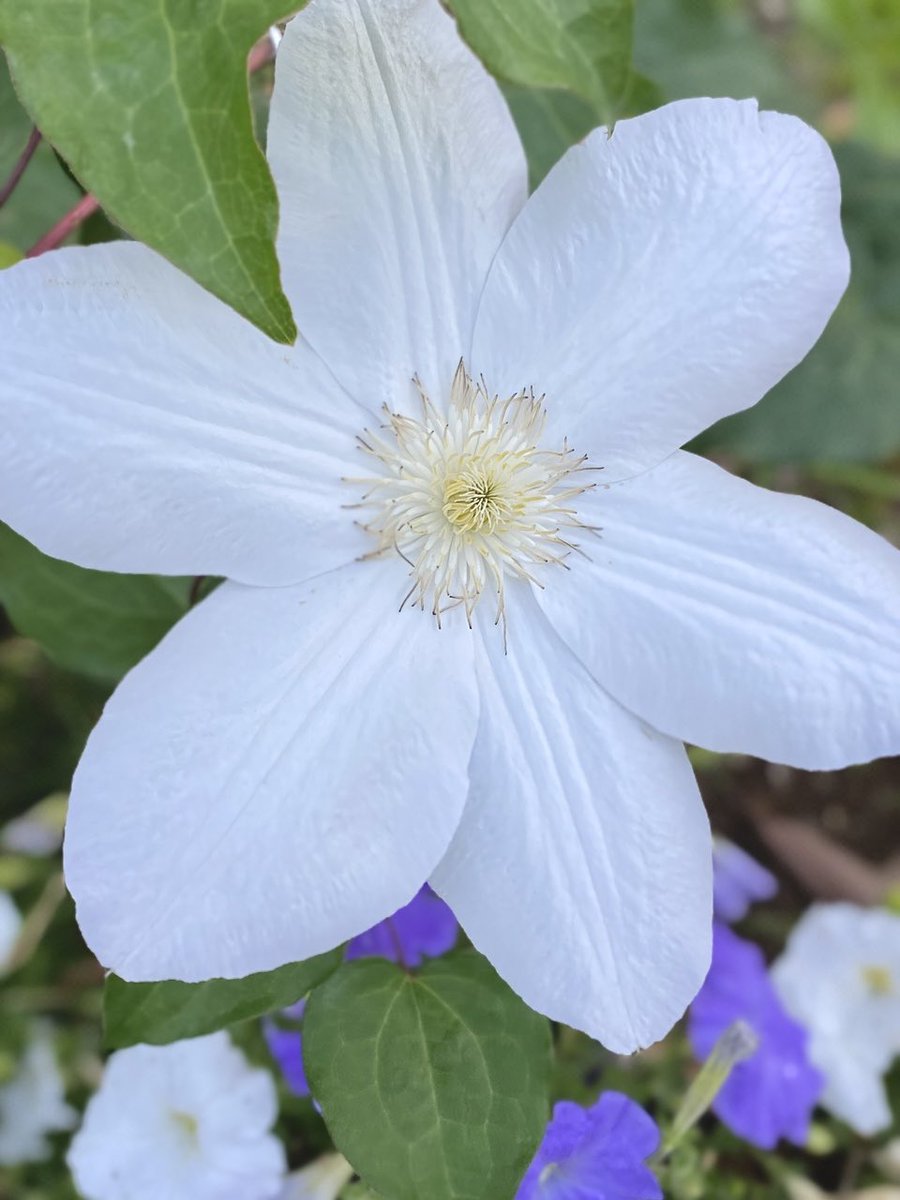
(18, 170)
(87, 205)
(37, 922)
(398, 943)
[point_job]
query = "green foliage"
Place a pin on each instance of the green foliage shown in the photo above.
(861, 47)
(840, 403)
(148, 103)
(8, 255)
(549, 122)
(713, 48)
(583, 46)
(89, 621)
(45, 192)
(434, 1084)
(159, 1013)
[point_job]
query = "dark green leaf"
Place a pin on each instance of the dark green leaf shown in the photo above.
(434, 1085)
(148, 103)
(160, 1013)
(45, 192)
(88, 621)
(549, 122)
(841, 403)
(583, 46)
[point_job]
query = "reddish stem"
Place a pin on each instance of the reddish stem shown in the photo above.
(83, 209)
(263, 52)
(19, 169)
(394, 933)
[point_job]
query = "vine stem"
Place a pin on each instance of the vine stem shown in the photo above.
(18, 170)
(86, 205)
(261, 54)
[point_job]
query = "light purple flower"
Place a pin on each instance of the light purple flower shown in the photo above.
(424, 928)
(738, 881)
(597, 1153)
(773, 1092)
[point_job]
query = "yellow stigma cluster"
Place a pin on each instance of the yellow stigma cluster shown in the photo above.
(878, 980)
(468, 497)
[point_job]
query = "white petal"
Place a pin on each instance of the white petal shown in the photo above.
(32, 1102)
(399, 171)
(737, 618)
(666, 276)
(187, 1121)
(146, 427)
(582, 864)
(10, 927)
(824, 980)
(323, 1179)
(283, 771)
(854, 1092)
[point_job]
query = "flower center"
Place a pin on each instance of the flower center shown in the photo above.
(878, 980)
(469, 498)
(187, 1127)
(474, 500)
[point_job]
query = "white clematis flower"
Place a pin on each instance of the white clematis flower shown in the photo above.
(299, 755)
(33, 1102)
(839, 976)
(188, 1121)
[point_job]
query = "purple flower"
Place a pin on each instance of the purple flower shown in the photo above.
(424, 928)
(595, 1154)
(286, 1047)
(738, 881)
(772, 1093)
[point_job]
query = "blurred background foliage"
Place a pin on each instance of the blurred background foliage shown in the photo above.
(830, 429)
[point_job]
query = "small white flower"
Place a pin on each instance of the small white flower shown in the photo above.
(321, 1180)
(189, 1121)
(32, 1103)
(10, 927)
(840, 977)
(298, 756)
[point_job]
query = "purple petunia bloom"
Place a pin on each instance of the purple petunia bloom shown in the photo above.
(773, 1092)
(738, 881)
(286, 1047)
(424, 928)
(597, 1153)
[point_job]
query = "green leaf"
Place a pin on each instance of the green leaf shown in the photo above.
(713, 48)
(148, 103)
(159, 1013)
(434, 1084)
(841, 403)
(92, 622)
(583, 46)
(9, 255)
(45, 192)
(549, 122)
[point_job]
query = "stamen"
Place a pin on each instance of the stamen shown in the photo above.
(469, 498)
